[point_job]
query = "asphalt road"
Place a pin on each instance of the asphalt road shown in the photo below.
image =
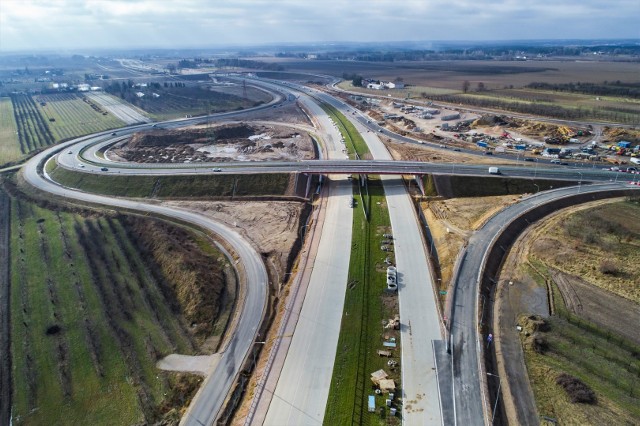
(467, 391)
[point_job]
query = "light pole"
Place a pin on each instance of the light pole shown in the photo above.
(580, 182)
(535, 172)
(537, 188)
(495, 406)
(254, 352)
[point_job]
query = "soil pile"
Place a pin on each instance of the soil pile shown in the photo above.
(226, 143)
(617, 134)
(163, 138)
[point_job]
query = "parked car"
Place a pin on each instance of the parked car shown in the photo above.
(104, 169)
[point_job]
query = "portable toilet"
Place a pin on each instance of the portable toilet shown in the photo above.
(372, 403)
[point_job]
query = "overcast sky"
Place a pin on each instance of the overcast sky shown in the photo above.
(86, 24)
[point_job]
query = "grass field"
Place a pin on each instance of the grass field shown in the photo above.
(608, 364)
(173, 186)
(70, 115)
(33, 129)
(89, 320)
(9, 141)
(361, 334)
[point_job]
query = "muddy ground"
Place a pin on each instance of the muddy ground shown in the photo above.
(413, 152)
(599, 306)
(272, 226)
(225, 143)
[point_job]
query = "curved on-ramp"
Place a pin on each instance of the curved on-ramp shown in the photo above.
(211, 396)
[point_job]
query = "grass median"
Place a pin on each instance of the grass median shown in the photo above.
(367, 304)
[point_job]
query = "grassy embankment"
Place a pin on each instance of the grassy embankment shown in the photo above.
(605, 361)
(172, 186)
(9, 141)
(70, 115)
(366, 305)
(94, 306)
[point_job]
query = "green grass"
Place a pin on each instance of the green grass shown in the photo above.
(9, 142)
(352, 138)
(85, 275)
(73, 116)
(173, 186)
(608, 363)
(360, 331)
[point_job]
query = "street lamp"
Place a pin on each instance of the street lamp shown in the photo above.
(580, 182)
(495, 406)
(537, 188)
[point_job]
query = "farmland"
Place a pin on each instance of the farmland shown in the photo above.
(70, 115)
(175, 100)
(9, 143)
(92, 313)
(33, 130)
(505, 85)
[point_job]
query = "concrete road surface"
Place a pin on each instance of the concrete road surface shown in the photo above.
(300, 397)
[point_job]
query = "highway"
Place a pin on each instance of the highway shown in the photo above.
(301, 393)
(300, 396)
(467, 390)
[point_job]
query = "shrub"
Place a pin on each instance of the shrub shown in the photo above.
(577, 390)
(609, 267)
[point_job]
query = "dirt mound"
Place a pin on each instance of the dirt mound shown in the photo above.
(489, 120)
(225, 143)
(197, 282)
(616, 134)
(164, 138)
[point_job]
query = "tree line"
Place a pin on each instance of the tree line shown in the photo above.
(616, 88)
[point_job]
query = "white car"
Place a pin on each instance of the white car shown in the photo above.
(555, 161)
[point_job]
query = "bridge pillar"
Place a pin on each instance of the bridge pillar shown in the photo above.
(306, 192)
(418, 179)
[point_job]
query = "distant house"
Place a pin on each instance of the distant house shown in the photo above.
(155, 95)
(83, 87)
(139, 94)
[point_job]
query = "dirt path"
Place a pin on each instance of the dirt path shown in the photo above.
(198, 364)
(5, 348)
(599, 306)
(516, 295)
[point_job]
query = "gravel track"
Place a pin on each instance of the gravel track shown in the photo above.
(119, 109)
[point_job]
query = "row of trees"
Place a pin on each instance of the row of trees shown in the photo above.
(545, 110)
(616, 88)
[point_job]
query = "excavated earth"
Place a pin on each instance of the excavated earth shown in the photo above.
(225, 143)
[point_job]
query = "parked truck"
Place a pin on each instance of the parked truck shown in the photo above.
(494, 171)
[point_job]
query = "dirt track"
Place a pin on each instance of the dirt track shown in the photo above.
(599, 306)
(5, 353)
